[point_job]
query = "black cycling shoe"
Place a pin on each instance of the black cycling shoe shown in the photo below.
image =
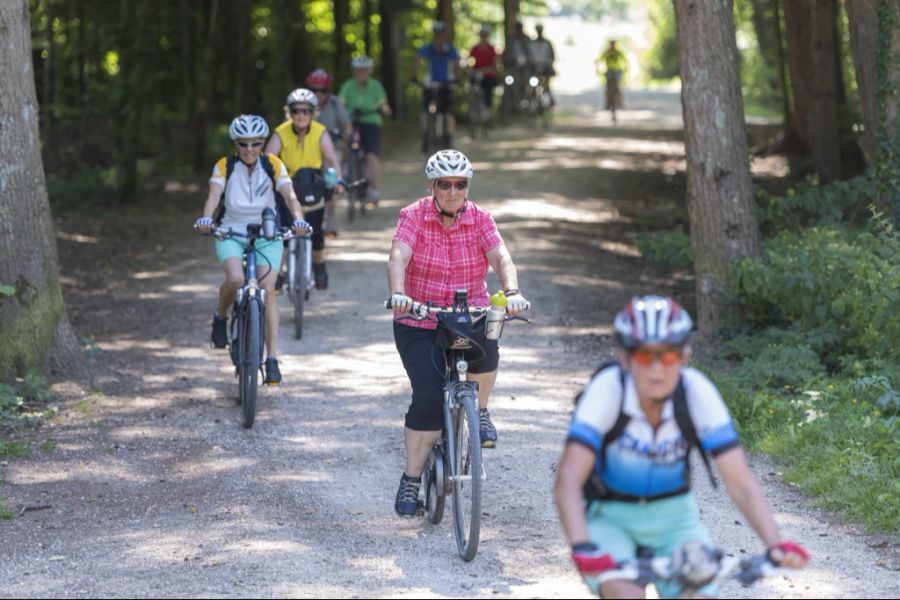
(407, 502)
(487, 431)
(219, 337)
(321, 276)
(273, 373)
(279, 284)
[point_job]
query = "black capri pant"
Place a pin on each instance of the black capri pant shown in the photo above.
(315, 218)
(424, 364)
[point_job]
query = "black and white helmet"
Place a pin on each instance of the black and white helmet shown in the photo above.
(448, 163)
(302, 96)
(652, 320)
(248, 126)
(361, 62)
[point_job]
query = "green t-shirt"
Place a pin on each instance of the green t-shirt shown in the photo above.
(365, 100)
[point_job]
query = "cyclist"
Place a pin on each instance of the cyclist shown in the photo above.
(333, 115)
(302, 143)
(443, 242)
(517, 61)
(543, 57)
(640, 477)
(615, 62)
(243, 194)
(366, 100)
(485, 64)
(443, 68)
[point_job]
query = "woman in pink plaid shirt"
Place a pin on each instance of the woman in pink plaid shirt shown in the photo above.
(443, 243)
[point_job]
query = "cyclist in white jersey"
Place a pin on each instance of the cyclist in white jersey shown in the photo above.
(638, 480)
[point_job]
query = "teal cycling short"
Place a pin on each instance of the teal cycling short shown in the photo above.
(620, 527)
(267, 253)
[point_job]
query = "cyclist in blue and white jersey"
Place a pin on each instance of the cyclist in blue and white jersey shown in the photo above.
(627, 453)
(442, 60)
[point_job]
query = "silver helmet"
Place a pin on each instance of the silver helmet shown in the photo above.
(248, 126)
(448, 163)
(302, 96)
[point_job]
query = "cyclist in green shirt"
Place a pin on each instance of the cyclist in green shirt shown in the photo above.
(366, 101)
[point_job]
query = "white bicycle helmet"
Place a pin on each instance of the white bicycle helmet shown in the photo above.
(652, 320)
(248, 126)
(438, 27)
(448, 163)
(302, 96)
(362, 62)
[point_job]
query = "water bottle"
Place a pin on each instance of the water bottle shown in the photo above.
(330, 178)
(495, 316)
(268, 223)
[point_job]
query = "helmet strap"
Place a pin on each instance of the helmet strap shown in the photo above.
(445, 213)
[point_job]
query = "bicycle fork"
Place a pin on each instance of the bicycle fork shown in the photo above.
(454, 401)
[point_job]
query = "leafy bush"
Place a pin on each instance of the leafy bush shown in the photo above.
(667, 249)
(810, 204)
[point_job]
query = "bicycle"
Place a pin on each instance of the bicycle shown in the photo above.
(691, 566)
(455, 464)
(540, 100)
(356, 161)
(435, 119)
(479, 114)
(248, 314)
(613, 93)
(299, 264)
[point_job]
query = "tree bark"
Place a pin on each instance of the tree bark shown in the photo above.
(390, 65)
(445, 13)
(204, 101)
(724, 229)
(799, 49)
(823, 125)
(510, 16)
(341, 17)
(34, 326)
(367, 26)
(863, 16)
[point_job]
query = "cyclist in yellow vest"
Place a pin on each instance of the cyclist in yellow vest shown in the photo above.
(302, 143)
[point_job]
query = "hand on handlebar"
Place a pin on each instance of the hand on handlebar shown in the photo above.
(301, 227)
(788, 554)
(401, 303)
(204, 224)
(590, 560)
(516, 304)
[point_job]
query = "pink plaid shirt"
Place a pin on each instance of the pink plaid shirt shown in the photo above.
(446, 260)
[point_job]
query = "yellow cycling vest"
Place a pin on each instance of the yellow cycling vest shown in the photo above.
(295, 156)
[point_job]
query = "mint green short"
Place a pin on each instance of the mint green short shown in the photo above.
(265, 251)
(620, 527)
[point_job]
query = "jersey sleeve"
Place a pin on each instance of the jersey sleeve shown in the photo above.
(712, 421)
(407, 230)
(281, 172)
(488, 232)
(219, 170)
(597, 409)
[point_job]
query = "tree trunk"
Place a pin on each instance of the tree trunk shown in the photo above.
(799, 45)
(390, 65)
(823, 125)
(791, 133)
(34, 326)
(510, 16)
(367, 27)
(445, 13)
(341, 17)
(887, 76)
(863, 16)
(720, 202)
(204, 101)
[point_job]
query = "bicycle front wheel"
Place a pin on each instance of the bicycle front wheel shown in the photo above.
(466, 476)
(249, 366)
(300, 283)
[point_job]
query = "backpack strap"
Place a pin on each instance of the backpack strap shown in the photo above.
(688, 431)
(226, 163)
(594, 489)
(272, 164)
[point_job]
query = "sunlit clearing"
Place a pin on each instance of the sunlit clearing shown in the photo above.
(151, 274)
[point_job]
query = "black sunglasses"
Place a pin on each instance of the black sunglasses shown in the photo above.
(445, 185)
(249, 144)
(301, 111)
(319, 90)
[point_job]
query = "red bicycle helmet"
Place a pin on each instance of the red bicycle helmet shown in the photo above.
(320, 78)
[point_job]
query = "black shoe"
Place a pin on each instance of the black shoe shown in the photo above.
(407, 502)
(273, 373)
(279, 284)
(321, 276)
(219, 338)
(487, 431)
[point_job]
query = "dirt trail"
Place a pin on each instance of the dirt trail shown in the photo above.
(156, 490)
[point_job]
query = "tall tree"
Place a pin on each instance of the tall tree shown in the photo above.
(863, 16)
(390, 63)
(724, 229)
(341, 18)
(34, 326)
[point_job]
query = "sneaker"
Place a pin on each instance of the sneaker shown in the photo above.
(279, 284)
(273, 373)
(407, 502)
(488, 432)
(321, 276)
(219, 337)
(331, 233)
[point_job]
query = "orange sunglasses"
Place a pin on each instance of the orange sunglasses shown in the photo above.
(646, 358)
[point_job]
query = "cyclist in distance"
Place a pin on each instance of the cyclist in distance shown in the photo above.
(304, 144)
(517, 62)
(442, 65)
(543, 57)
(443, 242)
(366, 101)
(333, 115)
(244, 185)
(615, 63)
(627, 453)
(485, 57)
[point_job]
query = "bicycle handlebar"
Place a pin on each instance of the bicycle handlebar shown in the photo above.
(224, 233)
(421, 311)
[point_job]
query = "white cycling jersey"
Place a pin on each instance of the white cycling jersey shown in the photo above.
(246, 193)
(643, 462)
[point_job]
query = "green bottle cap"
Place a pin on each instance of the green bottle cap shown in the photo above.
(499, 299)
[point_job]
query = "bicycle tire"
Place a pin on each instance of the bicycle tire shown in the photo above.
(353, 168)
(466, 476)
(250, 363)
(300, 284)
(435, 476)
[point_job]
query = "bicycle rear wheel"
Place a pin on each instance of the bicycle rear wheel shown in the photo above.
(466, 476)
(299, 285)
(354, 169)
(248, 370)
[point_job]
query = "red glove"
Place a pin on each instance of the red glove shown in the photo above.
(788, 547)
(589, 560)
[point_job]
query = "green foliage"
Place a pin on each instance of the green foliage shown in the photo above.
(26, 392)
(811, 204)
(14, 449)
(7, 290)
(667, 250)
(5, 513)
(841, 289)
(660, 62)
